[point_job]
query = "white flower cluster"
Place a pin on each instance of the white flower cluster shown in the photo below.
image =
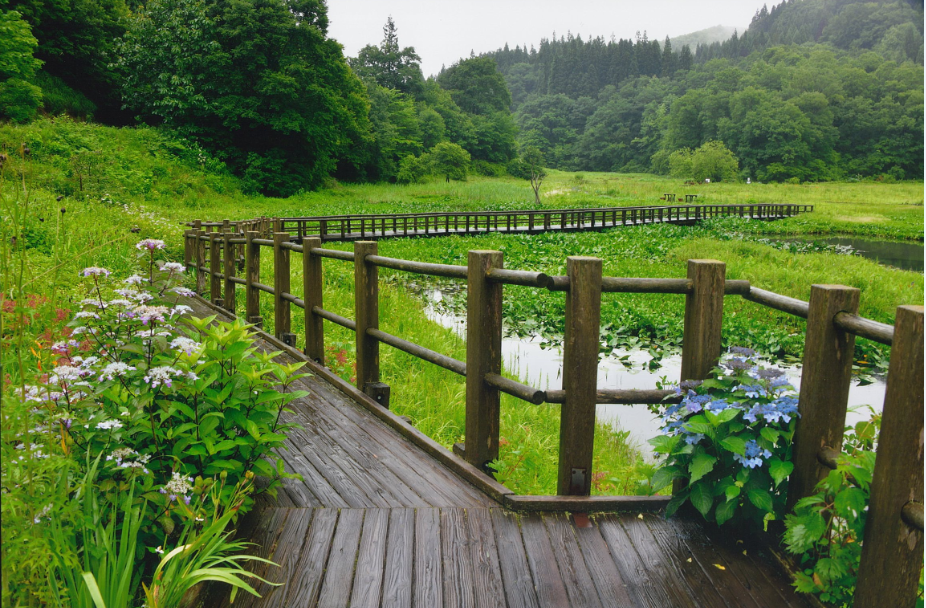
(183, 291)
(163, 374)
(135, 280)
(147, 314)
(149, 244)
(115, 370)
(178, 486)
(108, 425)
(172, 267)
(126, 458)
(186, 345)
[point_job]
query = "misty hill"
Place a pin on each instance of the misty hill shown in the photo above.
(718, 33)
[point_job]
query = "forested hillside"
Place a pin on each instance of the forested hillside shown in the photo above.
(812, 90)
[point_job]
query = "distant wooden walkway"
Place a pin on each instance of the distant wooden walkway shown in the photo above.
(376, 521)
(378, 226)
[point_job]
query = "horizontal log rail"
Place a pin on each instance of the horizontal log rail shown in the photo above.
(833, 324)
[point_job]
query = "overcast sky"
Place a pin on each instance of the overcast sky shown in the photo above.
(443, 31)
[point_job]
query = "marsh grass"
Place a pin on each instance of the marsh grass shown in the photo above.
(114, 181)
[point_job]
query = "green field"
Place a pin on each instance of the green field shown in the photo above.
(140, 179)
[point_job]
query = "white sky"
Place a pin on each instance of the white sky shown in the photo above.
(443, 31)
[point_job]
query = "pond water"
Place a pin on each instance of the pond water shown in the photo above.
(906, 256)
(542, 368)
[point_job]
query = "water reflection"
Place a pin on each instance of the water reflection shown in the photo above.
(542, 368)
(906, 256)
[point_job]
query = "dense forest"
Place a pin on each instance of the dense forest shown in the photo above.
(812, 90)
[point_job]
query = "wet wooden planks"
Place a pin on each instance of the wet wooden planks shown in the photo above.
(454, 557)
(348, 458)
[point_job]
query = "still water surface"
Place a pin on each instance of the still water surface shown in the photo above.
(542, 368)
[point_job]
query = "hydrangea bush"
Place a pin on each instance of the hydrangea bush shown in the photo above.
(165, 403)
(727, 444)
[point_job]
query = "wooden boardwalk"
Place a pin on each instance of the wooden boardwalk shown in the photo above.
(376, 521)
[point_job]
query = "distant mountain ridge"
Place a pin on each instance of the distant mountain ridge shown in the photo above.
(718, 33)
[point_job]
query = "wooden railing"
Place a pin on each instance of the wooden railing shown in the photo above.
(893, 546)
(373, 226)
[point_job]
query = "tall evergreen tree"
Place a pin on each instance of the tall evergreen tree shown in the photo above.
(388, 65)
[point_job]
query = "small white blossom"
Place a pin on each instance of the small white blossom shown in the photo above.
(183, 291)
(146, 314)
(115, 370)
(86, 315)
(67, 373)
(180, 309)
(42, 513)
(172, 267)
(186, 345)
(95, 271)
(107, 425)
(135, 280)
(121, 302)
(157, 376)
(149, 244)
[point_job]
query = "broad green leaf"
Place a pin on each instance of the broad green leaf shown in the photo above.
(761, 499)
(664, 476)
(769, 434)
(663, 444)
(732, 492)
(725, 511)
(737, 445)
(701, 465)
(701, 497)
(850, 503)
(779, 470)
(675, 502)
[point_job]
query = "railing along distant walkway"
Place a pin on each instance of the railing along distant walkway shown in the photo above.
(376, 226)
(892, 553)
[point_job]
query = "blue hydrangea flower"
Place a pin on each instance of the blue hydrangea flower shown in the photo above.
(694, 438)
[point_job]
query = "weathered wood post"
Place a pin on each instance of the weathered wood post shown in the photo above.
(188, 250)
(892, 553)
(312, 296)
(199, 251)
(825, 379)
(366, 314)
(215, 261)
(703, 318)
(229, 272)
(251, 277)
(281, 277)
(483, 356)
(580, 375)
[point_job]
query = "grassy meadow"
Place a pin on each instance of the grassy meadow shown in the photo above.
(84, 194)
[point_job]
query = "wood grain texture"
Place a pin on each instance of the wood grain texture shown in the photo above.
(612, 589)
(305, 585)
(400, 553)
(483, 356)
(547, 580)
(281, 280)
(458, 562)
(571, 563)
(371, 560)
(429, 588)
(252, 276)
(580, 376)
(366, 313)
(515, 570)
(336, 587)
(312, 296)
(825, 379)
(703, 318)
(487, 582)
(892, 554)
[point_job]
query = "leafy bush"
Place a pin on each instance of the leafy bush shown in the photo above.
(163, 406)
(729, 441)
(59, 98)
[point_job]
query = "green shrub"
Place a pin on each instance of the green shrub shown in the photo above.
(59, 98)
(730, 442)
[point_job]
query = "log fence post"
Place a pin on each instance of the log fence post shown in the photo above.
(892, 551)
(580, 376)
(312, 296)
(366, 314)
(826, 375)
(483, 356)
(281, 279)
(252, 276)
(199, 251)
(703, 318)
(215, 260)
(228, 257)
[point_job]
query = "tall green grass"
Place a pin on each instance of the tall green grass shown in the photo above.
(114, 181)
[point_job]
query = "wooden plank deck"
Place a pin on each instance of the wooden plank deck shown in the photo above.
(376, 521)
